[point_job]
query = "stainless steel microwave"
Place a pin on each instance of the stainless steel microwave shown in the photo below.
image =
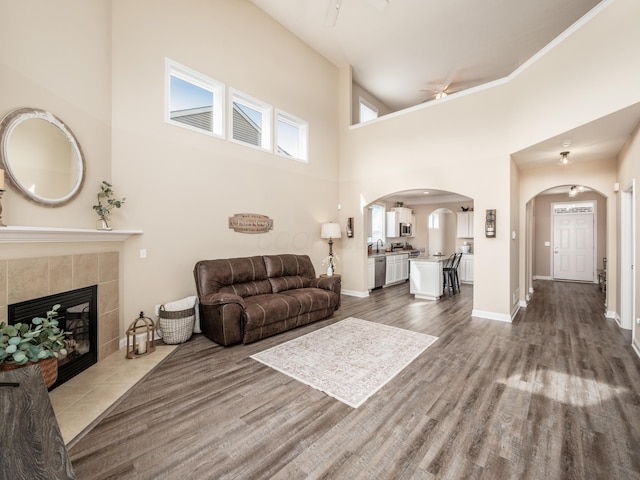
(405, 229)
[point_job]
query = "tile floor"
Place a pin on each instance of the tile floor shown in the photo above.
(79, 401)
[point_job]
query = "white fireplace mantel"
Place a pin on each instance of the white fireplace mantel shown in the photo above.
(15, 234)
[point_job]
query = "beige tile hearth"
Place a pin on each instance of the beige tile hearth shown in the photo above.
(81, 400)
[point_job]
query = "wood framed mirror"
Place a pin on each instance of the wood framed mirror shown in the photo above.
(41, 157)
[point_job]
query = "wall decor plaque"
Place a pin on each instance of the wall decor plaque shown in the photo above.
(250, 223)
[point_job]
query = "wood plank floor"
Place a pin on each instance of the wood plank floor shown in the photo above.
(555, 395)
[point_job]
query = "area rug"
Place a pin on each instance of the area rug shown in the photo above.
(349, 360)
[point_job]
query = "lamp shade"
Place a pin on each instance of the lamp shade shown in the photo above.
(330, 230)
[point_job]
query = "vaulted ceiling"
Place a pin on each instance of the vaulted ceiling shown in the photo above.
(404, 51)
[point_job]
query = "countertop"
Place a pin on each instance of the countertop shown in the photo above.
(429, 258)
(395, 252)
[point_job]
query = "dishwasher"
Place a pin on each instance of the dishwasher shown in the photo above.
(380, 272)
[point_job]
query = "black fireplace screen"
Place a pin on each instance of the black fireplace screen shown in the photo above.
(78, 315)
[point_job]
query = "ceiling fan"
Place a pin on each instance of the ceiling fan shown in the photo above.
(440, 90)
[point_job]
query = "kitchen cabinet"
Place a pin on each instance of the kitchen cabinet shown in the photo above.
(395, 217)
(393, 225)
(465, 269)
(465, 224)
(404, 267)
(371, 273)
(397, 268)
(425, 280)
(413, 226)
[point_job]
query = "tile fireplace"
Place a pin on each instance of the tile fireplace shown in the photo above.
(78, 314)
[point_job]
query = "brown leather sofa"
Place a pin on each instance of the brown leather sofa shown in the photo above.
(249, 298)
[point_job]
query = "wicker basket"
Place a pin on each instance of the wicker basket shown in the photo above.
(176, 327)
(48, 369)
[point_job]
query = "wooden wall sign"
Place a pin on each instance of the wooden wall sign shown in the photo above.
(250, 223)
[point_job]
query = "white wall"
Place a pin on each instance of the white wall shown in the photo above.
(182, 186)
(628, 171)
(99, 66)
(463, 144)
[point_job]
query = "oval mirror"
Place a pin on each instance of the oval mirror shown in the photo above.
(41, 157)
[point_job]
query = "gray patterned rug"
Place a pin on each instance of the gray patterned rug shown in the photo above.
(349, 360)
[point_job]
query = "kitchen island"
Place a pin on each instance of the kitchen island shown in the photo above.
(425, 278)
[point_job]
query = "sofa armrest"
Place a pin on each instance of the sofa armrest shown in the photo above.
(217, 299)
(221, 318)
(332, 283)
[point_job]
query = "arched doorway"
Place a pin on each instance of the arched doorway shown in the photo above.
(566, 236)
(446, 206)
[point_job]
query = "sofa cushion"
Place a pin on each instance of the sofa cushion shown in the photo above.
(248, 289)
(222, 275)
(311, 299)
(286, 265)
(280, 284)
(261, 310)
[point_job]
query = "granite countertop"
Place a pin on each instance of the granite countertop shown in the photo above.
(395, 252)
(429, 258)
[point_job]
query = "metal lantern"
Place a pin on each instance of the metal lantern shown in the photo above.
(140, 333)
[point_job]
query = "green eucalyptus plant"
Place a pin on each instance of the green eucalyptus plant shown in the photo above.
(23, 342)
(106, 202)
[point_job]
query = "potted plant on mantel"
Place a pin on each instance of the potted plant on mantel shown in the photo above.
(40, 342)
(105, 204)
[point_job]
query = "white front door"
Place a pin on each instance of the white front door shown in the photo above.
(573, 247)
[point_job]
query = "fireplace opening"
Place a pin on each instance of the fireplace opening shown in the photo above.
(78, 314)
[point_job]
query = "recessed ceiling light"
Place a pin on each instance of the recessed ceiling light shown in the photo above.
(566, 143)
(425, 193)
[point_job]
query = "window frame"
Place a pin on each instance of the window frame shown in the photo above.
(303, 135)
(266, 111)
(383, 229)
(364, 103)
(217, 89)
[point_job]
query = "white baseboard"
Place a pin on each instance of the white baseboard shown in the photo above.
(356, 293)
(636, 347)
(542, 277)
(501, 317)
(611, 315)
(524, 303)
(514, 311)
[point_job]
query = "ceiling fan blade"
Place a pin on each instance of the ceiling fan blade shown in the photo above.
(332, 14)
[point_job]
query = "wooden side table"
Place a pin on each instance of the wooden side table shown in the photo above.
(31, 445)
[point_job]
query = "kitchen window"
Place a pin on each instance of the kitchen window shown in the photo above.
(377, 222)
(193, 100)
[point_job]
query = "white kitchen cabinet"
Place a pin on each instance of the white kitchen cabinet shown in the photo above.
(425, 281)
(391, 270)
(404, 266)
(395, 217)
(371, 273)
(465, 224)
(404, 214)
(397, 268)
(465, 269)
(393, 225)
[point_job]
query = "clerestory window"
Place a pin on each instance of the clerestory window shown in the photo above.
(193, 100)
